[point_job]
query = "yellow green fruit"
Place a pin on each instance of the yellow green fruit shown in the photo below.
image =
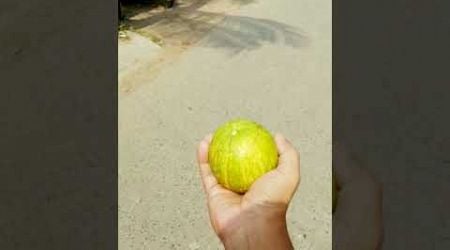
(241, 151)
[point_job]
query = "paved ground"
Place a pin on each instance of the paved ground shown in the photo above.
(267, 60)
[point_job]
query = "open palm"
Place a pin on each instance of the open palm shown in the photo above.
(274, 189)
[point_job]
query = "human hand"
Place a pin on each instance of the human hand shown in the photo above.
(256, 219)
(357, 220)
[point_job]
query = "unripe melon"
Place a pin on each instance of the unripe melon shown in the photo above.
(241, 151)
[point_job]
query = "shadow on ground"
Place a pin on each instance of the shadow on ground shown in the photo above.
(238, 33)
(189, 23)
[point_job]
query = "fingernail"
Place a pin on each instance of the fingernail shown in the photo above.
(209, 137)
(204, 145)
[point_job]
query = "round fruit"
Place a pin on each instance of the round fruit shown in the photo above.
(241, 151)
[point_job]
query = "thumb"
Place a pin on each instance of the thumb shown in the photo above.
(289, 158)
(280, 184)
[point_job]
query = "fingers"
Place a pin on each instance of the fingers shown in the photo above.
(202, 151)
(208, 138)
(278, 186)
(289, 159)
(208, 179)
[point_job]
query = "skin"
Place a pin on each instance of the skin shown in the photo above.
(256, 219)
(357, 221)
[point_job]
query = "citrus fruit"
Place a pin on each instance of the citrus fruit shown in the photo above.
(241, 151)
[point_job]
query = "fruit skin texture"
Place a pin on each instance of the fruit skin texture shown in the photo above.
(240, 152)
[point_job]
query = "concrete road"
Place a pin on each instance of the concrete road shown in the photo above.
(269, 61)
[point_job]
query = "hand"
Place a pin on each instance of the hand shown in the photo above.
(357, 222)
(256, 219)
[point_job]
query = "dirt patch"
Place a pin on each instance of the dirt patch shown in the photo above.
(183, 25)
(174, 30)
(143, 71)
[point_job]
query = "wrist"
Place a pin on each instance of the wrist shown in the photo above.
(259, 227)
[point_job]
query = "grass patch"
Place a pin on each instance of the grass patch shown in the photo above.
(153, 37)
(124, 28)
